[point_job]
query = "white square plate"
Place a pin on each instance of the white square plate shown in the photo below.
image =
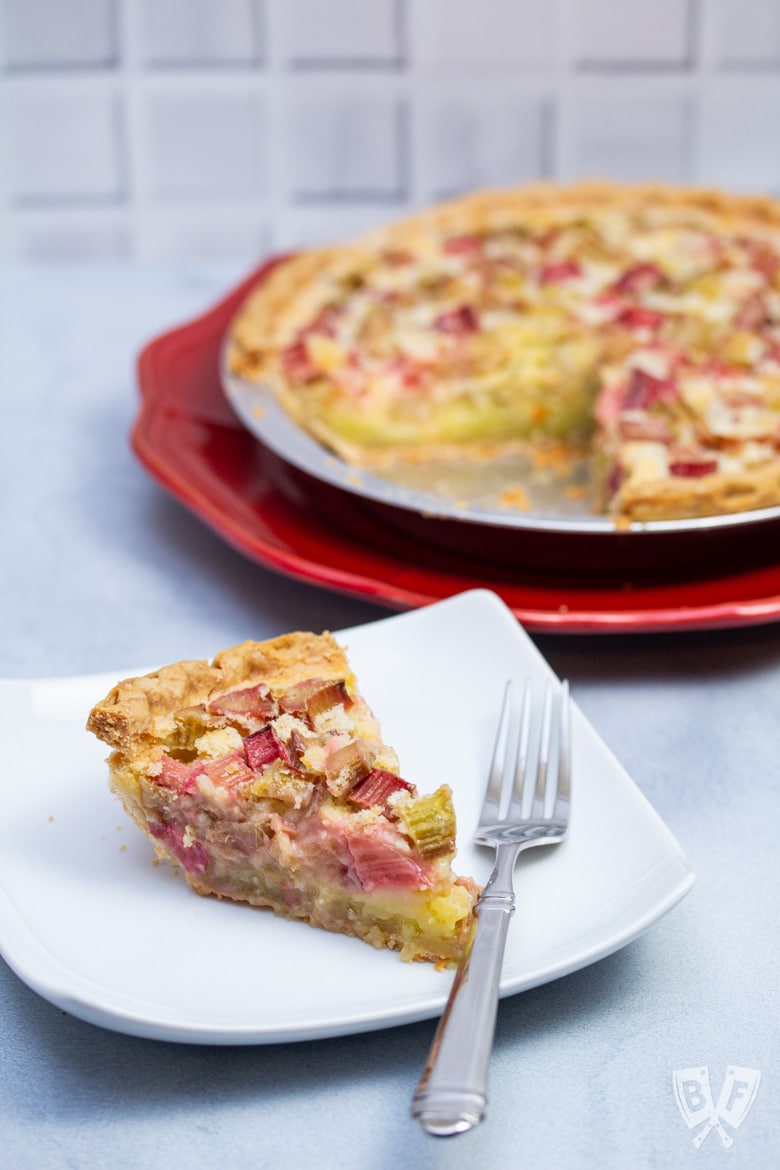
(90, 922)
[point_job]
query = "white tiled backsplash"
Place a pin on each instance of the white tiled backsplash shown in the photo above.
(230, 128)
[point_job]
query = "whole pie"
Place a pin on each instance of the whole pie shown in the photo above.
(641, 324)
(264, 776)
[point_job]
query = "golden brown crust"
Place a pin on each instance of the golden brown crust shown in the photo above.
(138, 712)
(371, 930)
(273, 313)
(712, 495)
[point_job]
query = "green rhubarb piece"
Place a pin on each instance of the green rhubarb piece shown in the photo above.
(429, 820)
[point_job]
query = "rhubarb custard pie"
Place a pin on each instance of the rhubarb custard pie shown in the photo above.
(640, 324)
(263, 774)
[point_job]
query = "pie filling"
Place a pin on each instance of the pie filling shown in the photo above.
(287, 798)
(651, 332)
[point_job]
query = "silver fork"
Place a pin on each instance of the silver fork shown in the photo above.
(451, 1096)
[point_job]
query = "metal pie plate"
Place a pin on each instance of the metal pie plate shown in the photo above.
(536, 498)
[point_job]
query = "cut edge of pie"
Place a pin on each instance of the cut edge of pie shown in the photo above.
(632, 486)
(263, 775)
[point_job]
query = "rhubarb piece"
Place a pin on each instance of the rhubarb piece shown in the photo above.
(304, 815)
(229, 772)
(332, 694)
(326, 322)
(377, 862)
(298, 365)
(644, 390)
(429, 820)
(636, 317)
(174, 774)
(640, 277)
(314, 697)
(376, 789)
(347, 765)
(645, 427)
(175, 843)
(463, 245)
(251, 702)
(563, 270)
(458, 322)
(263, 748)
(692, 468)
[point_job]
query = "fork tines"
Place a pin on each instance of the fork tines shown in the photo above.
(529, 776)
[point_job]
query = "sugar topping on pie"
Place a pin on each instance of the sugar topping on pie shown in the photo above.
(642, 322)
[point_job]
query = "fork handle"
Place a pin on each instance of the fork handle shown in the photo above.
(451, 1097)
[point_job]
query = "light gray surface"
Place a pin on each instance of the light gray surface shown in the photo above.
(102, 570)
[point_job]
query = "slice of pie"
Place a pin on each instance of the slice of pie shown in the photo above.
(642, 323)
(263, 775)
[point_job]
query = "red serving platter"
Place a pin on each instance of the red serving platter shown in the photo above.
(189, 439)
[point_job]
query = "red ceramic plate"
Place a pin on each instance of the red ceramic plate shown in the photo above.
(189, 439)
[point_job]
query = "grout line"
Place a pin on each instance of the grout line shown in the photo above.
(409, 18)
(125, 11)
(6, 216)
(275, 28)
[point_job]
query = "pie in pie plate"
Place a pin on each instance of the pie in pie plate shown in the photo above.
(632, 331)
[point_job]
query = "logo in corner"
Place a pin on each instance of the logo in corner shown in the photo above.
(694, 1100)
